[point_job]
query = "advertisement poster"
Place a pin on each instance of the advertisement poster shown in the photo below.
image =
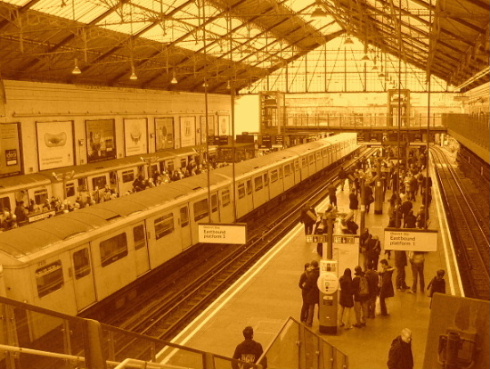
(135, 136)
(101, 142)
(210, 127)
(55, 144)
(187, 131)
(223, 125)
(9, 150)
(164, 133)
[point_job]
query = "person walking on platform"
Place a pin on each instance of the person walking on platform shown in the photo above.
(302, 284)
(422, 217)
(368, 197)
(400, 264)
(372, 277)
(417, 261)
(354, 204)
(346, 299)
(373, 251)
(386, 290)
(248, 351)
(308, 218)
(363, 243)
(437, 284)
(313, 293)
(332, 195)
(360, 286)
(400, 355)
(342, 177)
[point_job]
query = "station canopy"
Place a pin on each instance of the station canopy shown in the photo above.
(290, 45)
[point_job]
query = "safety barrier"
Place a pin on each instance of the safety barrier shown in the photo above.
(298, 347)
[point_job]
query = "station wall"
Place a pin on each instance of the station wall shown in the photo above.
(30, 103)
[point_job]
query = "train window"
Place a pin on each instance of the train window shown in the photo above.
(287, 170)
(214, 202)
(70, 189)
(311, 158)
(49, 278)
(184, 216)
(170, 167)
(274, 176)
(139, 237)
(40, 196)
(324, 153)
(266, 179)
(249, 187)
(4, 203)
(128, 176)
(164, 225)
(304, 163)
(241, 190)
(259, 183)
(183, 163)
(99, 182)
(113, 249)
(81, 262)
(200, 209)
(225, 197)
(82, 184)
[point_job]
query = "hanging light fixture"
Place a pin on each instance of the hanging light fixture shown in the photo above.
(205, 84)
(76, 69)
(133, 76)
(318, 12)
(228, 85)
(348, 41)
(365, 58)
(174, 79)
(374, 66)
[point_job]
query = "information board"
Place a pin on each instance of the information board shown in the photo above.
(410, 240)
(346, 251)
(223, 233)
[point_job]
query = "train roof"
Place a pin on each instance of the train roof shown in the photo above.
(30, 239)
(22, 182)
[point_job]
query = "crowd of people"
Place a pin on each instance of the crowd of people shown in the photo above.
(55, 206)
(371, 283)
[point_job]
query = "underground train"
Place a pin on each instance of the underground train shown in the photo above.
(70, 262)
(70, 182)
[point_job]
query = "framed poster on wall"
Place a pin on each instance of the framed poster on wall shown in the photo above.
(164, 133)
(55, 144)
(135, 136)
(101, 140)
(10, 155)
(210, 127)
(223, 125)
(187, 131)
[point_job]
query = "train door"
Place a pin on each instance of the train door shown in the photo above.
(141, 257)
(185, 227)
(70, 190)
(226, 208)
(297, 171)
(164, 240)
(245, 201)
(215, 207)
(83, 277)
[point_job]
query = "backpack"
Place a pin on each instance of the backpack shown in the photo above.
(363, 286)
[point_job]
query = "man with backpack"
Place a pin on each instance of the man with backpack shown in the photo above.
(360, 285)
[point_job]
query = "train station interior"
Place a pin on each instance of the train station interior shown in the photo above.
(143, 140)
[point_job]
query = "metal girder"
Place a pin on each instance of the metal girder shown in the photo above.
(19, 12)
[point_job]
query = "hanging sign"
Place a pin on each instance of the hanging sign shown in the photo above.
(223, 233)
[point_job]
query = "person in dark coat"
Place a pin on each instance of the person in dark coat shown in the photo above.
(360, 300)
(373, 251)
(353, 203)
(410, 220)
(400, 264)
(332, 195)
(372, 277)
(313, 293)
(437, 284)
(363, 243)
(249, 350)
(405, 207)
(308, 218)
(368, 197)
(302, 285)
(400, 355)
(346, 299)
(342, 177)
(386, 290)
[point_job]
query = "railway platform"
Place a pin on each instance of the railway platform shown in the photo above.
(268, 294)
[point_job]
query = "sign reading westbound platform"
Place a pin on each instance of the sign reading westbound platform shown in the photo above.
(223, 233)
(410, 239)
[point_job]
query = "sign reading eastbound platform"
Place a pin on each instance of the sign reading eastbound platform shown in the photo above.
(410, 240)
(223, 233)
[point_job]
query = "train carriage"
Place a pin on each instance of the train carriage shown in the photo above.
(70, 262)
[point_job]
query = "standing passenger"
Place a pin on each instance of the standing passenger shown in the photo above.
(346, 300)
(313, 293)
(309, 218)
(400, 264)
(332, 195)
(361, 296)
(249, 350)
(400, 356)
(417, 261)
(437, 284)
(386, 289)
(373, 281)
(354, 204)
(302, 284)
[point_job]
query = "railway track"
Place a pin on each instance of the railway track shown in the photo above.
(165, 308)
(467, 213)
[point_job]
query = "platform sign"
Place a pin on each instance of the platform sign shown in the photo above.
(223, 233)
(410, 240)
(316, 238)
